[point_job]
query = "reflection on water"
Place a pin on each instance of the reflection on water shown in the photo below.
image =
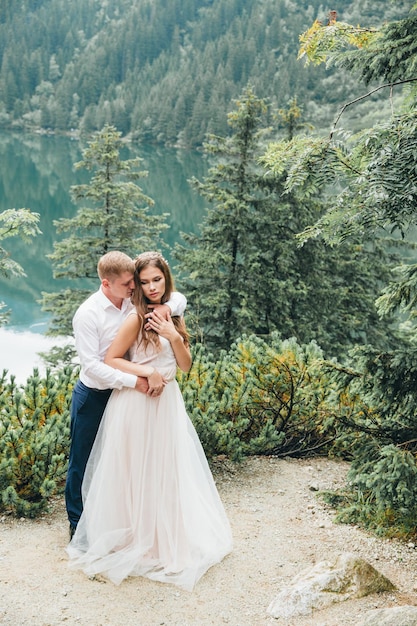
(37, 173)
(19, 352)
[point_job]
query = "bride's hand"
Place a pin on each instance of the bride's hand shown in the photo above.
(163, 326)
(162, 309)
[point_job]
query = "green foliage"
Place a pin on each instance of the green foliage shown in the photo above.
(161, 72)
(259, 398)
(16, 223)
(375, 175)
(390, 56)
(34, 441)
(372, 171)
(119, 216)
(381, 492)
(217, 262)
(291, 119)
(116, 218)
(20, 223)
(62, 306)
(322, 40)
(370, 177)
(246, 273)
(58, 355)
(401, 294)
(381, 435)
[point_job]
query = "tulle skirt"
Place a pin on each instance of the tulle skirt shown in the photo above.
(151, 507)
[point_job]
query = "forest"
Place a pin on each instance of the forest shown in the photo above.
(324, 360)
(167, 71)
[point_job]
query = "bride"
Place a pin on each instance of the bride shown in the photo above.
(151, 507)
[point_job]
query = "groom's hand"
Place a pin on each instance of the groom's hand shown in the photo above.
(141, 384)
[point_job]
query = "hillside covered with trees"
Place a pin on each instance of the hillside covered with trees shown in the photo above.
(164, 71)
(258, 392)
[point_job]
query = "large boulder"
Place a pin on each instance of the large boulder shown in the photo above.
(348, 576)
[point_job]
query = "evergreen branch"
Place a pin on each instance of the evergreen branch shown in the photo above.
(342, 369)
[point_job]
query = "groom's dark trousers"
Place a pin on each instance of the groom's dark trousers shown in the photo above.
(87, 408)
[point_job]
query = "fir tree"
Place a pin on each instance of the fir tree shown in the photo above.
(217, 261)
(115, 217)
(246, 273)
(375, 174)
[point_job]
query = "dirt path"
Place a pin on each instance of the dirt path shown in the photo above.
(279, 527)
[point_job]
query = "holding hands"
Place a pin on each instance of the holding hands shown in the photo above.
(156, 384)
(153, 385)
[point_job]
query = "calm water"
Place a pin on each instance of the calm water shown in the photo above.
(37, 173)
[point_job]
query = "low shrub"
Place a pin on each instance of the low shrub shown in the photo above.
(34, 440)
(260, 397)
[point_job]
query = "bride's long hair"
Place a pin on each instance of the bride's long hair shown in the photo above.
(154, 259)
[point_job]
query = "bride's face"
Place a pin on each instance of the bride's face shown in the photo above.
(153, 283)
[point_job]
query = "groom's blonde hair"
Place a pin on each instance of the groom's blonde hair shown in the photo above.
(113, 264)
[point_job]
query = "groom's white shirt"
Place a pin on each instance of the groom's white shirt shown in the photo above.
(95, 324)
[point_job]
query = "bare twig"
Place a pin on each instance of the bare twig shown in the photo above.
(366, 95)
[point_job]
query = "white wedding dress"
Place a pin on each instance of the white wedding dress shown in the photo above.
(151, 507)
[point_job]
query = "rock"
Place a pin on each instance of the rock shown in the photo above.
(396, 616)
(325, 583)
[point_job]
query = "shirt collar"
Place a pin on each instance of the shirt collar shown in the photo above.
(105, 303)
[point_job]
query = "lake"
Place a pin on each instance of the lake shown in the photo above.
(37, 173)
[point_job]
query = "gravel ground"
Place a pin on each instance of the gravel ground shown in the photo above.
(280, 527)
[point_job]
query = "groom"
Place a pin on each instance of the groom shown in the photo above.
(95, 324)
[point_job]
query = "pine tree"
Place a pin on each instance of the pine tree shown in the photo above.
(246, 273)
(216, 261)
(379, 438)
(374, 171)
(34, 441)
(115, 217)
(375, 174)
